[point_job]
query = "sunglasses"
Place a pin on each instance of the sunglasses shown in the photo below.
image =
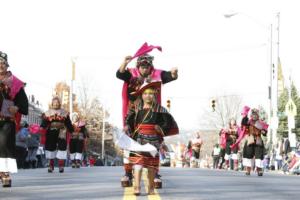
(145, 64)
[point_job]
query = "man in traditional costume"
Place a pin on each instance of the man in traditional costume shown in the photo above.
(57, 123)
(148, 123)
(13, 102)
(133, 78)
(77, 140)
(253, 130)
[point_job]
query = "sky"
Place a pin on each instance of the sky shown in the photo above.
(215, 56)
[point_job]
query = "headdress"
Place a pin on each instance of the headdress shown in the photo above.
(154, 85)
(245, 111)
(145, 49)
(3, 56)
(145, 60)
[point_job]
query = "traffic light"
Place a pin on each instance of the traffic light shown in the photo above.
(168, 104)
(213, 104)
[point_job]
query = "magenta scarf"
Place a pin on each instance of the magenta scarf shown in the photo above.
(14, 84)
(155, 75)
(17, 84)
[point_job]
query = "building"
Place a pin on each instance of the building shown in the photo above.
(34, 112)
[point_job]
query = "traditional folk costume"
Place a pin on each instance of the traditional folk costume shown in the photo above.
(12, 95)
(148, 126)
(231, 134)
(77, 141)
(57, 123)
(252, 131)
(222, 141)
(196, 147)
(132, 82)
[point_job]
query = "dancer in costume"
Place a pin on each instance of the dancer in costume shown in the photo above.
(57, 123)
(196, 147)
(78, 138)
(13, 102)
(148, 123)
(231, 138)
(253, 130)
(133, 78)
(222, 141)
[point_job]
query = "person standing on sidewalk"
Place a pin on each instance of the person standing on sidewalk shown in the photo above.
(216, 156)
(21, 145)
(33, 143)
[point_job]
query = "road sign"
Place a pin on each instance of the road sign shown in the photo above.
(290, 108)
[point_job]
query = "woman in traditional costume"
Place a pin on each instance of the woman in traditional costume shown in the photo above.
(254, 147)
(133, 78)
(77, 140)
(57, 123)
(13, 102)
(231, 138)
(149, 122)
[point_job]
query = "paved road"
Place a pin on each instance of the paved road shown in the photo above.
(183, 184)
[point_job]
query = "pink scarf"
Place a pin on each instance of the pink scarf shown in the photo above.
(155, 75)
(14, 84)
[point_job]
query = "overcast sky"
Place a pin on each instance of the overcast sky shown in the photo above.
(215, 55)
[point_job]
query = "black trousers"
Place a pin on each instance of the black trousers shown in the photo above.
(21, 154)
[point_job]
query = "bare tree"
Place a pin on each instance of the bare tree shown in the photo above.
(226, 107)
(92, 111)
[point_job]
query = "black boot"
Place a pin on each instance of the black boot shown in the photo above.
(78, 164)
(33, 164)
(73, 164)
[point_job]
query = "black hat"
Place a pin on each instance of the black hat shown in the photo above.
(3, 56)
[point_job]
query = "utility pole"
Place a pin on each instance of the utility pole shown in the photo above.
(270, 135)
(275, 87)
(71, 87)
(103, 134)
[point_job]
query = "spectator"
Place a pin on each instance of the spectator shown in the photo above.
(93, 161)
(21, 145)
(216, 156)
(286, 146)
(40, 155)
(278, 154)
(33, 143)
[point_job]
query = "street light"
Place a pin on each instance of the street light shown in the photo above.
(228, 15)
(270, 87)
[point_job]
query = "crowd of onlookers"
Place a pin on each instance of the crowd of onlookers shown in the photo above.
(283, 158)
(280, 158)
(30, 147)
